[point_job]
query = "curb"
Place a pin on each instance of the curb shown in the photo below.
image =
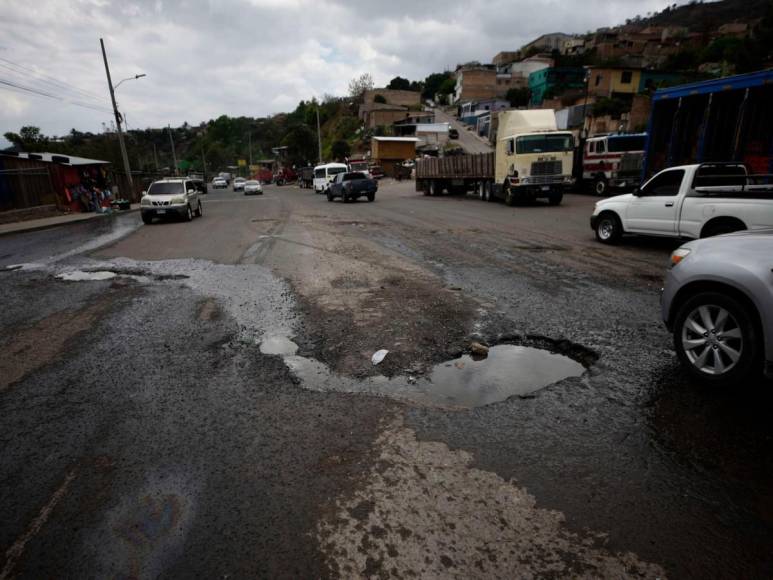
(63, 224)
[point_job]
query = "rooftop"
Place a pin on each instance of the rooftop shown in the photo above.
(405, 139)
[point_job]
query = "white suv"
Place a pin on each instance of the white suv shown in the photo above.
(172, 197)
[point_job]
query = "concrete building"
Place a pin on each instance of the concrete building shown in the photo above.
(502, 59)
(389, 152)
(553, 81)
(475, 83)
(548, 42)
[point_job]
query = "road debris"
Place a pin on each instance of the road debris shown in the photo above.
(378, 356)
(479, 349)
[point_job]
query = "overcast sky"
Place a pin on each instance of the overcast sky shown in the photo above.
(204, 58)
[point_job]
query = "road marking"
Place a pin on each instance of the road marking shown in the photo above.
(15, 552)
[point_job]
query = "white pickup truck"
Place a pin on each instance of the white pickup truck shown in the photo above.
(689, 201)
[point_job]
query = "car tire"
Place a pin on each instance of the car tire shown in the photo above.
(199, 210)
(329, 197)
(371, 197)
(609, 229)
(600, 186)
(735, 349)
(147, 219)
(188, 214)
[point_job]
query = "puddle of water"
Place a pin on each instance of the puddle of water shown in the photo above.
(461, 383)
(80, 276)
(280, 345)
(509, 370)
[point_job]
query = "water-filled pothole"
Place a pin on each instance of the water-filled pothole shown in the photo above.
(463, 382)
(508, 370)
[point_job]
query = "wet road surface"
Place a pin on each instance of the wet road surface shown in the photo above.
(212, 408)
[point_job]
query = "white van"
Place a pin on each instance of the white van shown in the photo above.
(323, 174)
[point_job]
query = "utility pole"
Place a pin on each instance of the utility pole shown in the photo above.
(155, 156)
(319, 137)
(125, 156)
(249, 138)
(174, 155)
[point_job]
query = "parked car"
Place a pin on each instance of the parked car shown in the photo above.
(718, 302)
(351, 186)
(689, 201)
(172, 198)
(239, 184)
(252, 187)
(453, 133)
(219, 183)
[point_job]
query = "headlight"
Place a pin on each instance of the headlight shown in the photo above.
(145, 200)
(177, 200)
(525, 180)
(678, 255)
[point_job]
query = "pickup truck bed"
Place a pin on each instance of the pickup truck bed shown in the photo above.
(679, 202)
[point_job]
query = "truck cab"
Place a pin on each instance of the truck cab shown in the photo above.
(613, 161)
(533, 159)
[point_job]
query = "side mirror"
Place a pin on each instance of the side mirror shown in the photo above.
(636, 192)
(144, 193)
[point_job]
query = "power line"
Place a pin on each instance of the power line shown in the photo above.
(34, 91)
(20, 68)
(45, 86)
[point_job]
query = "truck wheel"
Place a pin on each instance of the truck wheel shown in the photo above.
(371, 197)
(555, 198)
(716, 339)
(490, 192)
(609, 229)
(600, 186)
(433, 188)
(722, 227)
(482, 190)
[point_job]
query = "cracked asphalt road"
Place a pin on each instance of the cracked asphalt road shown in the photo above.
(145, 435)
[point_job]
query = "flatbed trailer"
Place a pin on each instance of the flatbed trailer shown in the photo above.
(455, 174)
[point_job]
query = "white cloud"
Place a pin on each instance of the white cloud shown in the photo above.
(204, 58)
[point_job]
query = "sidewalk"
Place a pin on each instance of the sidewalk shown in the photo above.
(56, 221)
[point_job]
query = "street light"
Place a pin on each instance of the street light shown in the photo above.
(139, 76)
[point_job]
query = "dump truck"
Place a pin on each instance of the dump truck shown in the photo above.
(532, 160)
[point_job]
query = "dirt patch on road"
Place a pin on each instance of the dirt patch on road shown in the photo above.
(37, 345)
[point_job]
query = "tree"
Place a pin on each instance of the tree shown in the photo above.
(28, 137)
(432, 84)
(360, 84)
(518, 97)
(400, 84)
(301, 144)
(340, 150)
(447, 87)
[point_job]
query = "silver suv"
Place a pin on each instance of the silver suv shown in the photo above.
(172, 197)
(718, 302)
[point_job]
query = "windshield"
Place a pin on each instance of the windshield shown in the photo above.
(544, 143)
(626, 143)
(251, 183)
(240, 179)
(166, 188)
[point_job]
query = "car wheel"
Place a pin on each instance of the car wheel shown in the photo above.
(199, 211)
(188, 214)
(147, 219)
(609, 229)
(716, 338)
(600, 186)
(330, 197)
(371, 197)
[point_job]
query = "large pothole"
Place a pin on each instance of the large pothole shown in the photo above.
(461, 383)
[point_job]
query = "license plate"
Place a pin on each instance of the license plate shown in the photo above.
(545, 188)
(160, 211)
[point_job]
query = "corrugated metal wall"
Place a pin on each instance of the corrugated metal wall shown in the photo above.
(25, 183)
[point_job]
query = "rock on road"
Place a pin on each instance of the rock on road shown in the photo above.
(158, 420)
